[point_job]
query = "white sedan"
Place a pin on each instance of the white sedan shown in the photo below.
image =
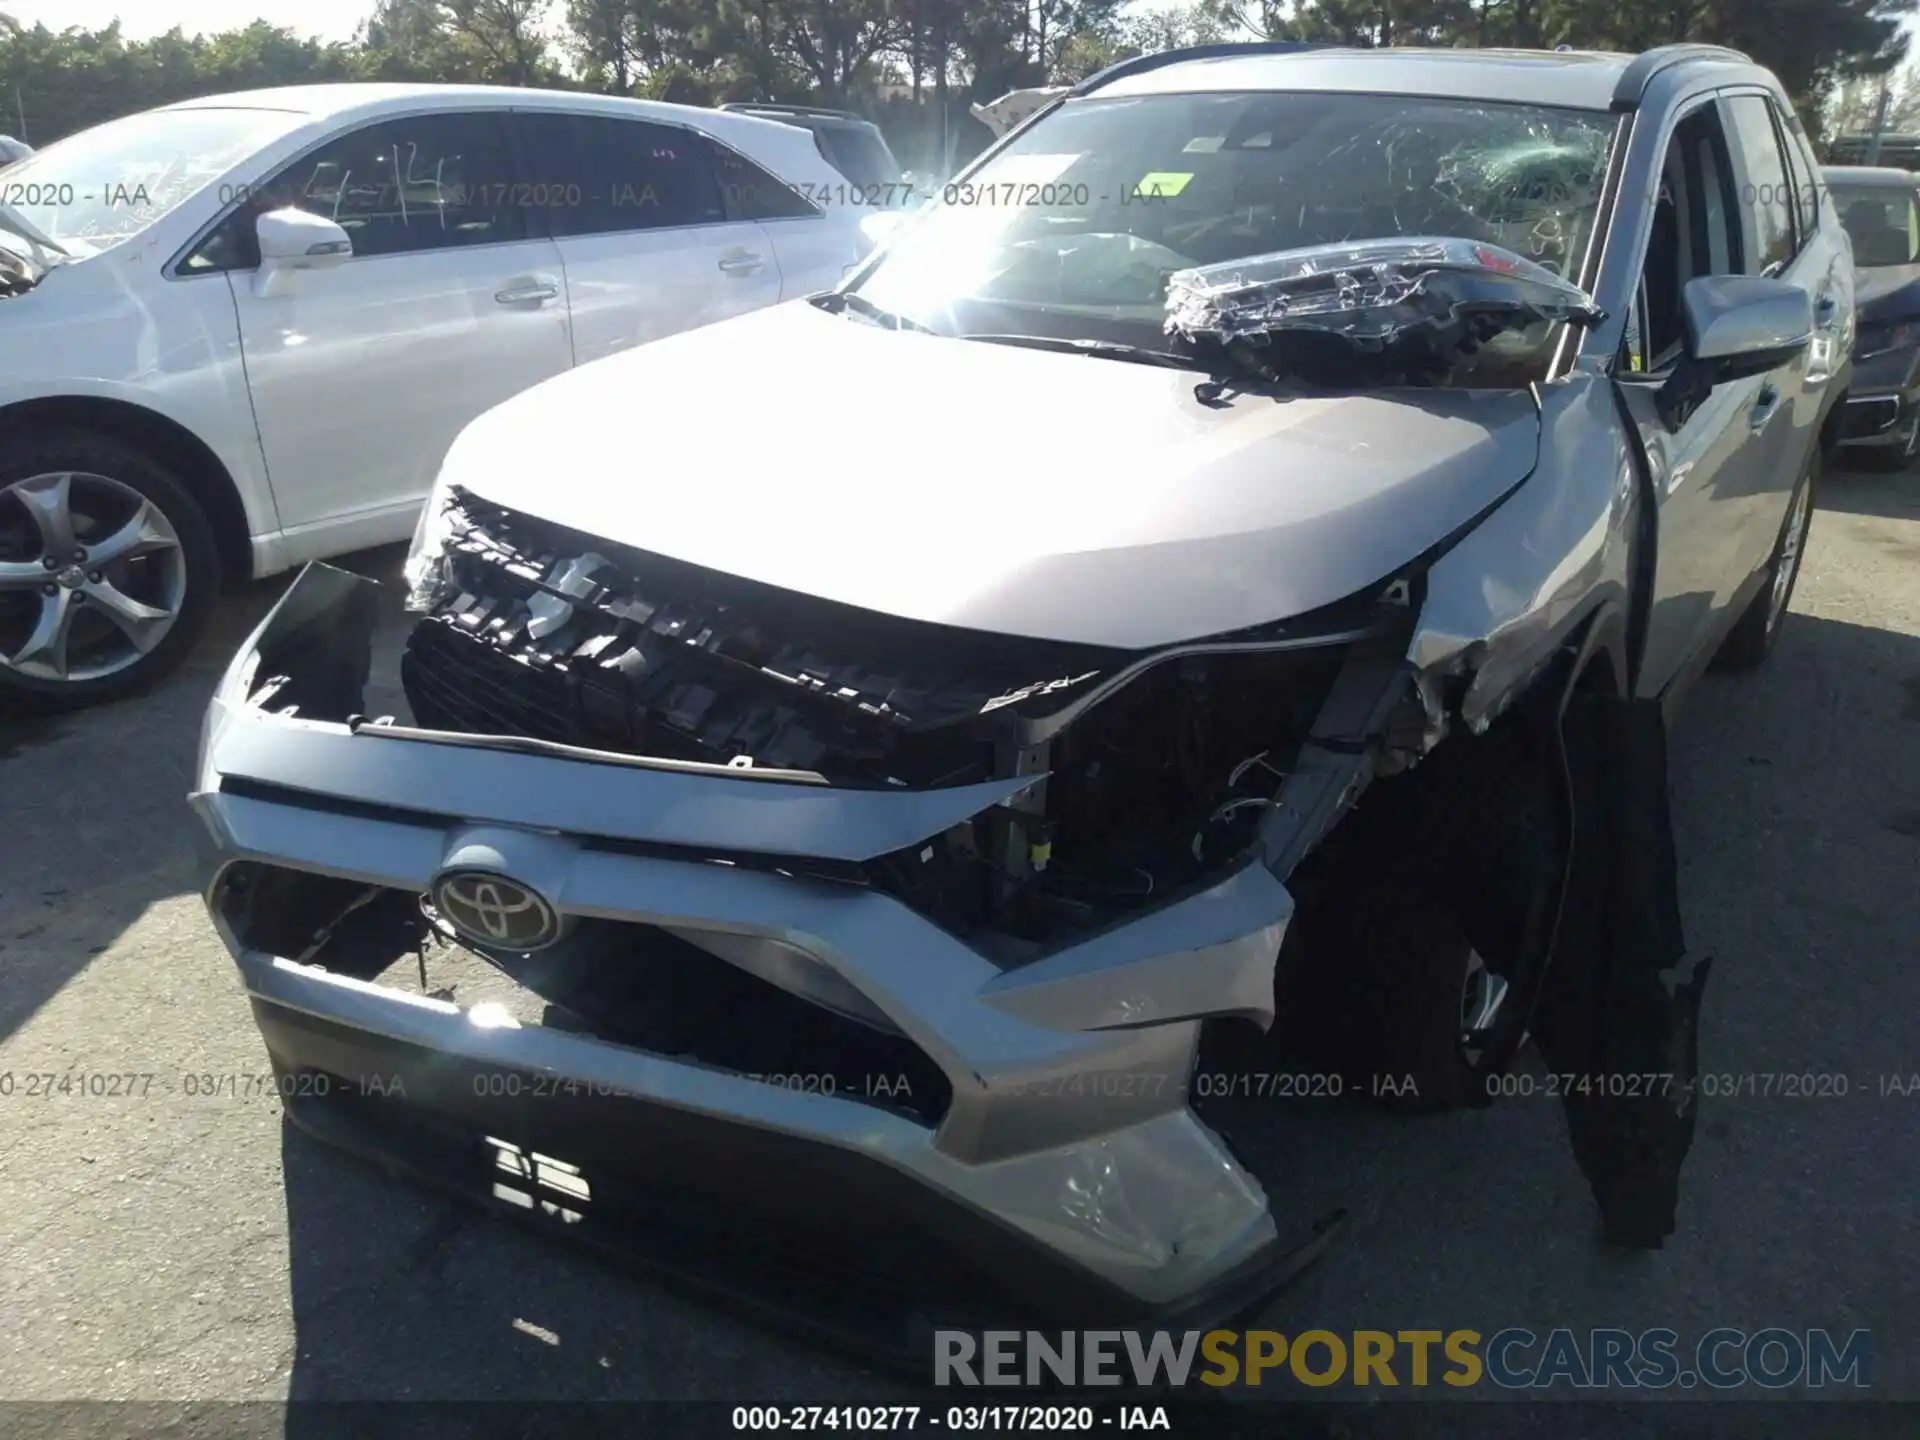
(238, 333)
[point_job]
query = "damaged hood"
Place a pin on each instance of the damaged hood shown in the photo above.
(1887, 293)
(999, 489)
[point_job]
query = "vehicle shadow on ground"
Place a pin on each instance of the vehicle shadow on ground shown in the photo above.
(1798, 817)
(94, 824)
(1894, 496)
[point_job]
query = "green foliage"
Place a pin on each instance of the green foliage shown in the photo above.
(865, 53)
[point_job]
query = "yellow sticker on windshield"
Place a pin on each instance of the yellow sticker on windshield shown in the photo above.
(1161, 183)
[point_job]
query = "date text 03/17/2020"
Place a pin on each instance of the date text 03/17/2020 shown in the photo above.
(965, 1419)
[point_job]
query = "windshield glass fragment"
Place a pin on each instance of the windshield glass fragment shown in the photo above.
(1077, 228)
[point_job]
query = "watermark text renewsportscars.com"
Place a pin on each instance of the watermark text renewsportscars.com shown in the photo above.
(1514, 1358)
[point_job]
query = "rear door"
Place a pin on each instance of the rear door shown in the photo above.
(814, 232)
(361, 375)
(646, 240)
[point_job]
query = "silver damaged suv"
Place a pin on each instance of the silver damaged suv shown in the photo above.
(1208, 592)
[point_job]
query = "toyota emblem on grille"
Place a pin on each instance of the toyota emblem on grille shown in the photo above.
(491, 909)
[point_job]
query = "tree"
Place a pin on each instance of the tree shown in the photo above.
(1195, 23)
(507, 33)
(1829, 53)
(1086, 54)
(1855, 103)
(605, 40)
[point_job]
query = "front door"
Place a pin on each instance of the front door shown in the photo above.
(362, 374)
(1706, 469)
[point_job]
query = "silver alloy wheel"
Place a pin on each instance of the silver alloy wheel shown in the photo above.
(1792, 542)
(1911, 445)
(94, 580)
(1482, 994)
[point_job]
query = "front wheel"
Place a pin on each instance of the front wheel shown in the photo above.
(107, 569)
(1753, 637)
(1391, 994)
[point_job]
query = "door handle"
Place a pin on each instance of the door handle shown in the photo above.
(742, 264)
(1764, 405)
(1824, 307)
(536, 292)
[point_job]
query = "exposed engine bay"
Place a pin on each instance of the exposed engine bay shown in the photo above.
(1158, 767)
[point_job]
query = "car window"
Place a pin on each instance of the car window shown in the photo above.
(1077, 224)
(1806, 181)
(752, 193)
(1882, 222)
(98, 188)
(1766, 187)
(596, 175)
(858, 153)
(424, 182)
(1691, 235)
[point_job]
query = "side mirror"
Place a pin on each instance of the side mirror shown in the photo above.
(1738, 326)
(292, 239)
(1745, 325)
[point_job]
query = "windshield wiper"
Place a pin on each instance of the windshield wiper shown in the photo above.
(836, 301)
(1099, 349)
(12, 220)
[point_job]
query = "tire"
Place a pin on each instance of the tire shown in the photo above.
(1387, 1011)
(1425, 976)
(74, 633)
(1757, 631)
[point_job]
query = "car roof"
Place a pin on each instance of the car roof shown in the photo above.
(807, 118)
(1569, 79)
(363, 100)
(1868, 175)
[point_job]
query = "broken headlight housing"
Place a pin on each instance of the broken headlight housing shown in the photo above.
(426, 557)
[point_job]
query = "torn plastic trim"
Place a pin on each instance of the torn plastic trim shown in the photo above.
(1369, 293)
(1359, 734)
(313, 654)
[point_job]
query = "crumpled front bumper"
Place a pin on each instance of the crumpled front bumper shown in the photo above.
(1067, 1178)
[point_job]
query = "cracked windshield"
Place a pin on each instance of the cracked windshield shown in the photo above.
(1075, 230)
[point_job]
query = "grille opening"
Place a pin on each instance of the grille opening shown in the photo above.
(537, 630)
(627, 983)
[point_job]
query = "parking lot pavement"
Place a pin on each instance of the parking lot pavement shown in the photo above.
(177, 1244)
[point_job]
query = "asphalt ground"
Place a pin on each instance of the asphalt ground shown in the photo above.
(183, 1246)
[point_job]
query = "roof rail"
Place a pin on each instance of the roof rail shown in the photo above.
(1649, 63)
(1140, 64)
(770, 108)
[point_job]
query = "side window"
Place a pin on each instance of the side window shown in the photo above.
(596, 175)
(1766, 188)
(1806, 182)
(1691, 235)
(752, 193)
(425, 182)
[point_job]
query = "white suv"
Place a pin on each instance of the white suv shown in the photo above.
(238, 333)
